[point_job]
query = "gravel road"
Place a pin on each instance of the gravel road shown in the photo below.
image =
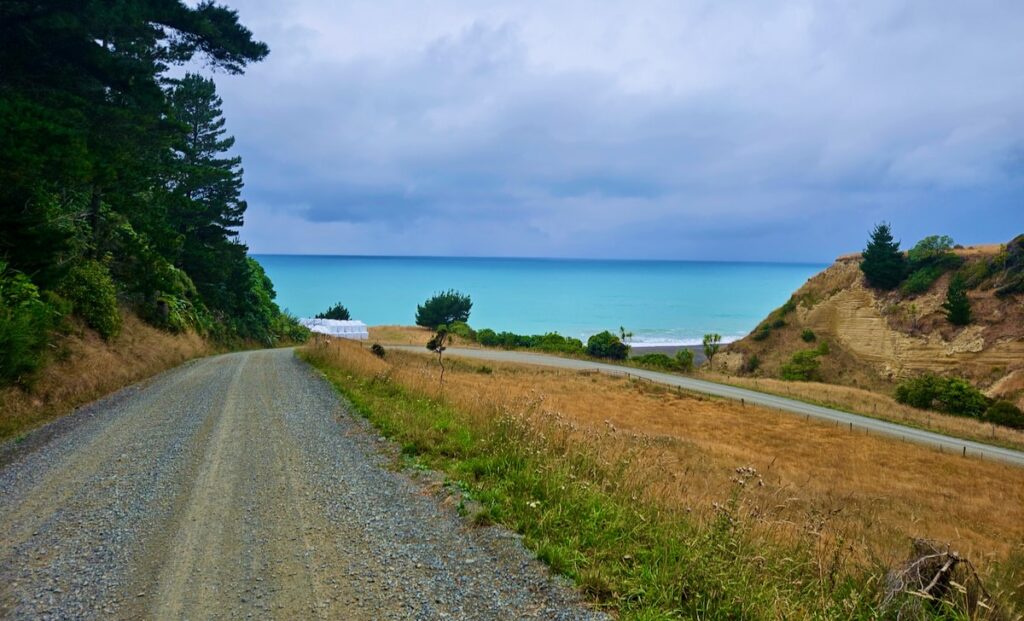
(894, 430)
(240, 487)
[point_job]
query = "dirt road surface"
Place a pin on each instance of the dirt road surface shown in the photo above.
(240, 487)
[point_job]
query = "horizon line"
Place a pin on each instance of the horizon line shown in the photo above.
(536, 258)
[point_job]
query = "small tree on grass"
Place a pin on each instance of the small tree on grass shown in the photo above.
(337, 311)
(957, 304)
(444, 309)
(712, 343)
(684, 358)
(437, 344)
(883, 264)
(607, 345)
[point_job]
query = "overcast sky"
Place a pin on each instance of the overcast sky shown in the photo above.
(756, 130)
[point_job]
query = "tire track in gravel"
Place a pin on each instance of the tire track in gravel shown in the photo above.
(239, 486)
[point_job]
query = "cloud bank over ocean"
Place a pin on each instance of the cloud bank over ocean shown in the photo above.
(721, 130)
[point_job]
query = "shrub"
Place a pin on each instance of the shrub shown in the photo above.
(462, 329)
(484, 370)
(802, 367)
(808, 335)
(25, 324)
(761, 333)
(337, 311)
(444, 309)
(1006, 414)
(952, 395)
(92, 294)
(684, 359)
(929, 248)
(883, 264)
(957, 304)
(778, 323)
(378, 350)
(921, 280)
(657, 361)
(607, 345)
(752, 364)
(487, 337)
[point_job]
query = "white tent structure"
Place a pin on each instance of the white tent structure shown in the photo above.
(355, 330)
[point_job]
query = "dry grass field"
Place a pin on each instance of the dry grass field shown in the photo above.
(85, 367)
(408, 335)
(873, 493)
(869, 403)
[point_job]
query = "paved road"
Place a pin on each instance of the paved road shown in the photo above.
(239, 487)
(946, 443)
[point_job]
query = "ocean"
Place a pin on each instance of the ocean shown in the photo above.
(661, 302)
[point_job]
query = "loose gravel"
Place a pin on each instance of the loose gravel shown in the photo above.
(240, 487)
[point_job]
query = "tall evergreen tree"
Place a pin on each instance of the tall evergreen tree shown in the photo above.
(883, 264)
(206, 188)
(957, 304)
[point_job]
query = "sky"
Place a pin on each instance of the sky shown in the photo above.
(718, 130)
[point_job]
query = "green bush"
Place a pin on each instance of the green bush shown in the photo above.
(921, 280)
(752, 364)
(657, 361)
(778, 323)
(91, 291)
(957, 304)
(952, 395)
(25, 324)
(487, 338)
(338, 312)
(444, 309)
(462, 329)
(761, 333)
(1006, 414)
(803, 366)
(883, 264)
(930, 248)
(378, 350)
(607, 345)
(684, 359)
(808, 335)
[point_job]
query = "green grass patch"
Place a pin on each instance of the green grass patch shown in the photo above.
(581, 514)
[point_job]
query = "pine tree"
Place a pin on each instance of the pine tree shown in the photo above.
(957, 304)
(206, 189)
(883, 264)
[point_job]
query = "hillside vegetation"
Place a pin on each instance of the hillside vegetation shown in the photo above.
(837, 329)
(665, 504)
(117, 187)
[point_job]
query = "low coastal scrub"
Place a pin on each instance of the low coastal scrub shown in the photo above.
(649, 527)
(607, 345)
(803, 365)
(551, 342)
(957, 396)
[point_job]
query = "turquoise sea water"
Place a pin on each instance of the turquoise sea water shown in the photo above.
(661, 302)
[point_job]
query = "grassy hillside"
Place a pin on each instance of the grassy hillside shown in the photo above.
(663, 504)
(875, 339)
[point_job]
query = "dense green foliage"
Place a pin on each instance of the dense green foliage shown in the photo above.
(444, 309)
(114, 184)
(1012, 265)
(712, 343)
(807, 335)
(93, 296)
(883, 264)
(607, 345)
(551, 342)
(25, 324)
(1006, 414)
(463, 330)
(338, 312)
(656, 361)
(684, 358)
(378, 350)
(927, 261)
(803, 365)
(952, 395)
(957, 304)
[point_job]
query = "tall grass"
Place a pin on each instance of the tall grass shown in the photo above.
(599, 505)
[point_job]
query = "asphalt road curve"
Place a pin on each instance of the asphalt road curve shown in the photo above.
(239, 487)
(937, 440)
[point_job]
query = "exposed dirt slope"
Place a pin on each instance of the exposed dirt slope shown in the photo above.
(876, 338)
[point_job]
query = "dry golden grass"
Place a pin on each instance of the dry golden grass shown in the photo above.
(408, 335)
(682, 451)
(86, 368)
(868, 403)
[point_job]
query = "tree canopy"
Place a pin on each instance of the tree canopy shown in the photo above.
(116, 186)
(444, 309)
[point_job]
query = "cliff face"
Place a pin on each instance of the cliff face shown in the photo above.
(877, 338)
